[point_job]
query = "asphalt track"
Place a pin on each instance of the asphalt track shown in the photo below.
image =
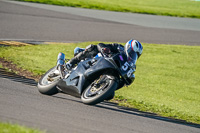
(20, 101)
(27, 21)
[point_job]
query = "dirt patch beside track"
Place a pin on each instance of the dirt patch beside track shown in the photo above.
(10, 66)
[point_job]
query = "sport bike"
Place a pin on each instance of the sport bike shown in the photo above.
(93, 79)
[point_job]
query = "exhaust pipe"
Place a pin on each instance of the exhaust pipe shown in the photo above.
(60, 64)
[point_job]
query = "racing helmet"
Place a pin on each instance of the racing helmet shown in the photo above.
(133, 50)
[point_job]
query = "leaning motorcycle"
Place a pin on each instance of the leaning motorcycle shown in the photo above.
(93, 80)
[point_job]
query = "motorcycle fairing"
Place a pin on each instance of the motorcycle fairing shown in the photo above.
(98, 66)
(75, 83)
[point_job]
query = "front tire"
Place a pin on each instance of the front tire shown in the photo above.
(48, 87)
(99, 90)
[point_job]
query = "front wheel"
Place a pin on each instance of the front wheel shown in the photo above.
(47, 85)
(99, 90)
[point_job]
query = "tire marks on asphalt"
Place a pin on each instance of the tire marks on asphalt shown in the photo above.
(14, 77)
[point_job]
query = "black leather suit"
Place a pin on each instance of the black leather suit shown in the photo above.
(93, 50)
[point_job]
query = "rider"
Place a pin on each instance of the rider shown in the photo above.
(133, 49)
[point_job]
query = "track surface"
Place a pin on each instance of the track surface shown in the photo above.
(19, 21)
(21, 102)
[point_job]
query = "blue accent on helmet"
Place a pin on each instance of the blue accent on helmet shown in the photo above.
(140, 45)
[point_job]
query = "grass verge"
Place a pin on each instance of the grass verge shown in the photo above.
(14, 128)
(180, 8)
(167, 76)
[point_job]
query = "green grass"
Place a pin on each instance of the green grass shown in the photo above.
(29, 57)
(15, 128)
(167, 82)
(167, 76)
(180, 8)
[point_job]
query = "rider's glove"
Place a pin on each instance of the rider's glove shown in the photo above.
(120, 49)
(106, 51)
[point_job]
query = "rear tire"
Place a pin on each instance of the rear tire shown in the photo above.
(46, 87)
(107, 84)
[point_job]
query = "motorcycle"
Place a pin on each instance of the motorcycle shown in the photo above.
(93, 79)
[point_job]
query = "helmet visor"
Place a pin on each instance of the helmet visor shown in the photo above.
(131, 54)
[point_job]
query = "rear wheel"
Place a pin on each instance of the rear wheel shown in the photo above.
(47, 84)
(99, 90)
